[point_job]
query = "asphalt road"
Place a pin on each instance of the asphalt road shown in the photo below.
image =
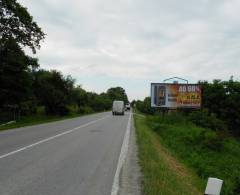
(75, 156)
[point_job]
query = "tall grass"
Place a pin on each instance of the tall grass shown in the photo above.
(206, 151)
(162, 173)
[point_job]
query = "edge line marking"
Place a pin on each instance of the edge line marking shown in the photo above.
(122, 157)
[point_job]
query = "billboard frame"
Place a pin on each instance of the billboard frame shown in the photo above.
(180, 107)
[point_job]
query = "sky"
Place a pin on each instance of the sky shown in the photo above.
(131, 43)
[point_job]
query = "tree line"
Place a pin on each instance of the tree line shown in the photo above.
(220, 109)
(24, 86)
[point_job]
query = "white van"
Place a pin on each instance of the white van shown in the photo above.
(118, 107)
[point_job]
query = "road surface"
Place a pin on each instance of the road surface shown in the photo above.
(75, 156)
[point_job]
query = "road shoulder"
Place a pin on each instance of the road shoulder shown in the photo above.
(130, 176)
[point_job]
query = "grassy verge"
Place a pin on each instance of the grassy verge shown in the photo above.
(206, 152)
(162, 173)
(38, 119)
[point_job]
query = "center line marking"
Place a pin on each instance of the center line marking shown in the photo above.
(51, 138)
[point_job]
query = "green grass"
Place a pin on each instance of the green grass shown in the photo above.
(37, 119)
(202, 150)
(162, 173)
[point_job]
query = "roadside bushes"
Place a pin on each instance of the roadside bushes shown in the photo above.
(222, 99)
(203, 137)
(211, 135)
(208, 120)
(207, 151)
(53, 90)
(145, 106)
(28, 107)
(85, 110)
(212, 140)
(215, 130)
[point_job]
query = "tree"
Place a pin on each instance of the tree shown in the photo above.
(79, 96)
(102, 102)
(117, 93)
(53, 90)
(145, 106)
(16, 23)
(222, 99)
(15, 73)
(17, 29)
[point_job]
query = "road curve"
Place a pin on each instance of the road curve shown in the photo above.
(74, 156)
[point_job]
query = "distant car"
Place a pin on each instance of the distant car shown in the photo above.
(118, 107)
(127, 106)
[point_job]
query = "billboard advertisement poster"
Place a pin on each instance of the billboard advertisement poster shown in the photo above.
(168, 95)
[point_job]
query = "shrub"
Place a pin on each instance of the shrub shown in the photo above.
(145, 106)
(204, 119)
(212, 141)
(6, 115)
(85, 110)
(28, 107)
(237, 185)
(203, 137)
(62, 110)
(207, 151)
(222, 99)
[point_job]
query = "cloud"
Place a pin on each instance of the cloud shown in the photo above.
(136, 42)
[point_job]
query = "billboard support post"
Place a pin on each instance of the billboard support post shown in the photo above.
(164, 112)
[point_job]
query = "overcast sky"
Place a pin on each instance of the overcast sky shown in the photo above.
(131, 43)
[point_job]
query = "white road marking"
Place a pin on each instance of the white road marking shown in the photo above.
(122, 157)
(51, 138)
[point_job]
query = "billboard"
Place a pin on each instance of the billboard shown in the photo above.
(171, 95)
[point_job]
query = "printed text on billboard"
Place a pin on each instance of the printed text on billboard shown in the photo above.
(170, 95)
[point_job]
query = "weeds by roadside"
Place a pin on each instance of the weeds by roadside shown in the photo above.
(162, 173)
(206, 151)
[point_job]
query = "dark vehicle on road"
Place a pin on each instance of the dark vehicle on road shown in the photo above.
(127, 106)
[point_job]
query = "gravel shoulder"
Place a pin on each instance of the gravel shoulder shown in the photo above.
(130, 176)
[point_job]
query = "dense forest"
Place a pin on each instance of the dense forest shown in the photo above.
(25, 88)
